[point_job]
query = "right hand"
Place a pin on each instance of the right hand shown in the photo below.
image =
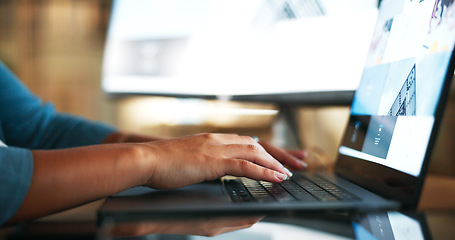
(192, 159)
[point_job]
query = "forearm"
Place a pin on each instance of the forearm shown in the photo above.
(67, 178)
(123, 137)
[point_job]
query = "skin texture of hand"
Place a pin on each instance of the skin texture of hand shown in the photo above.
(196, 158)
(291, 158)
(122, 137)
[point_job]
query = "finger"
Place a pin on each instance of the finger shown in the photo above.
(286, 157)
(235, 139)
(245, 147)
(300, 154)
(245, 168)
(254, 153)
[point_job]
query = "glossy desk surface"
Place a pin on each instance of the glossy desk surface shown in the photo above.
(435, 218)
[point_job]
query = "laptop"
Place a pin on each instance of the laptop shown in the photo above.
(385, 150)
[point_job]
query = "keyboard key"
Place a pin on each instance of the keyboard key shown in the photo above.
(237, 191)
(258, 192)
(298, 188)
(278, 192)
(297, 191)
(335, 190)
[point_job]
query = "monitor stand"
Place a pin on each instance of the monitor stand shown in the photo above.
(286, 128)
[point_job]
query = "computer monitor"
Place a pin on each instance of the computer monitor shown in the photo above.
(258, 50)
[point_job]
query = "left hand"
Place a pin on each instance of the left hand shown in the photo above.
(292, 158)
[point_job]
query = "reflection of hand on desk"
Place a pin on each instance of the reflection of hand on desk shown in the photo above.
(82, 223)
(203, 226)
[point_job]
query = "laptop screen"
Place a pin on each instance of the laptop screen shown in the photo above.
(396, 106)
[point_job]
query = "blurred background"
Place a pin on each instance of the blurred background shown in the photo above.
(56, 48)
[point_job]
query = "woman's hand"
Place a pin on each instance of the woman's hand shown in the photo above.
(292, 158)
(192, 159)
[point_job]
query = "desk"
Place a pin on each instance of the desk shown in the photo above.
(436, 213)
(438, 193)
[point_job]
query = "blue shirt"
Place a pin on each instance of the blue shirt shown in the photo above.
(27, 123)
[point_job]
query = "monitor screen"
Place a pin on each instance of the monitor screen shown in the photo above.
(225, 48)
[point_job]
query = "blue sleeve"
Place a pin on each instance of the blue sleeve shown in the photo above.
(16, 171)
(28, 123)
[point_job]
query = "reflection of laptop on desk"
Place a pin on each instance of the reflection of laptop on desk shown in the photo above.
(386, 148)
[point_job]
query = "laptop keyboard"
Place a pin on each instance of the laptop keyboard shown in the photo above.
(298, 188)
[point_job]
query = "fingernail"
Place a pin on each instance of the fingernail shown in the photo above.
(305, 154)
(289, 173)
(303, 163)
(281, 176)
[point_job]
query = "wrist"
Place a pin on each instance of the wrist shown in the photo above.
(116, 137)
(145, 160)
(122, 137)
